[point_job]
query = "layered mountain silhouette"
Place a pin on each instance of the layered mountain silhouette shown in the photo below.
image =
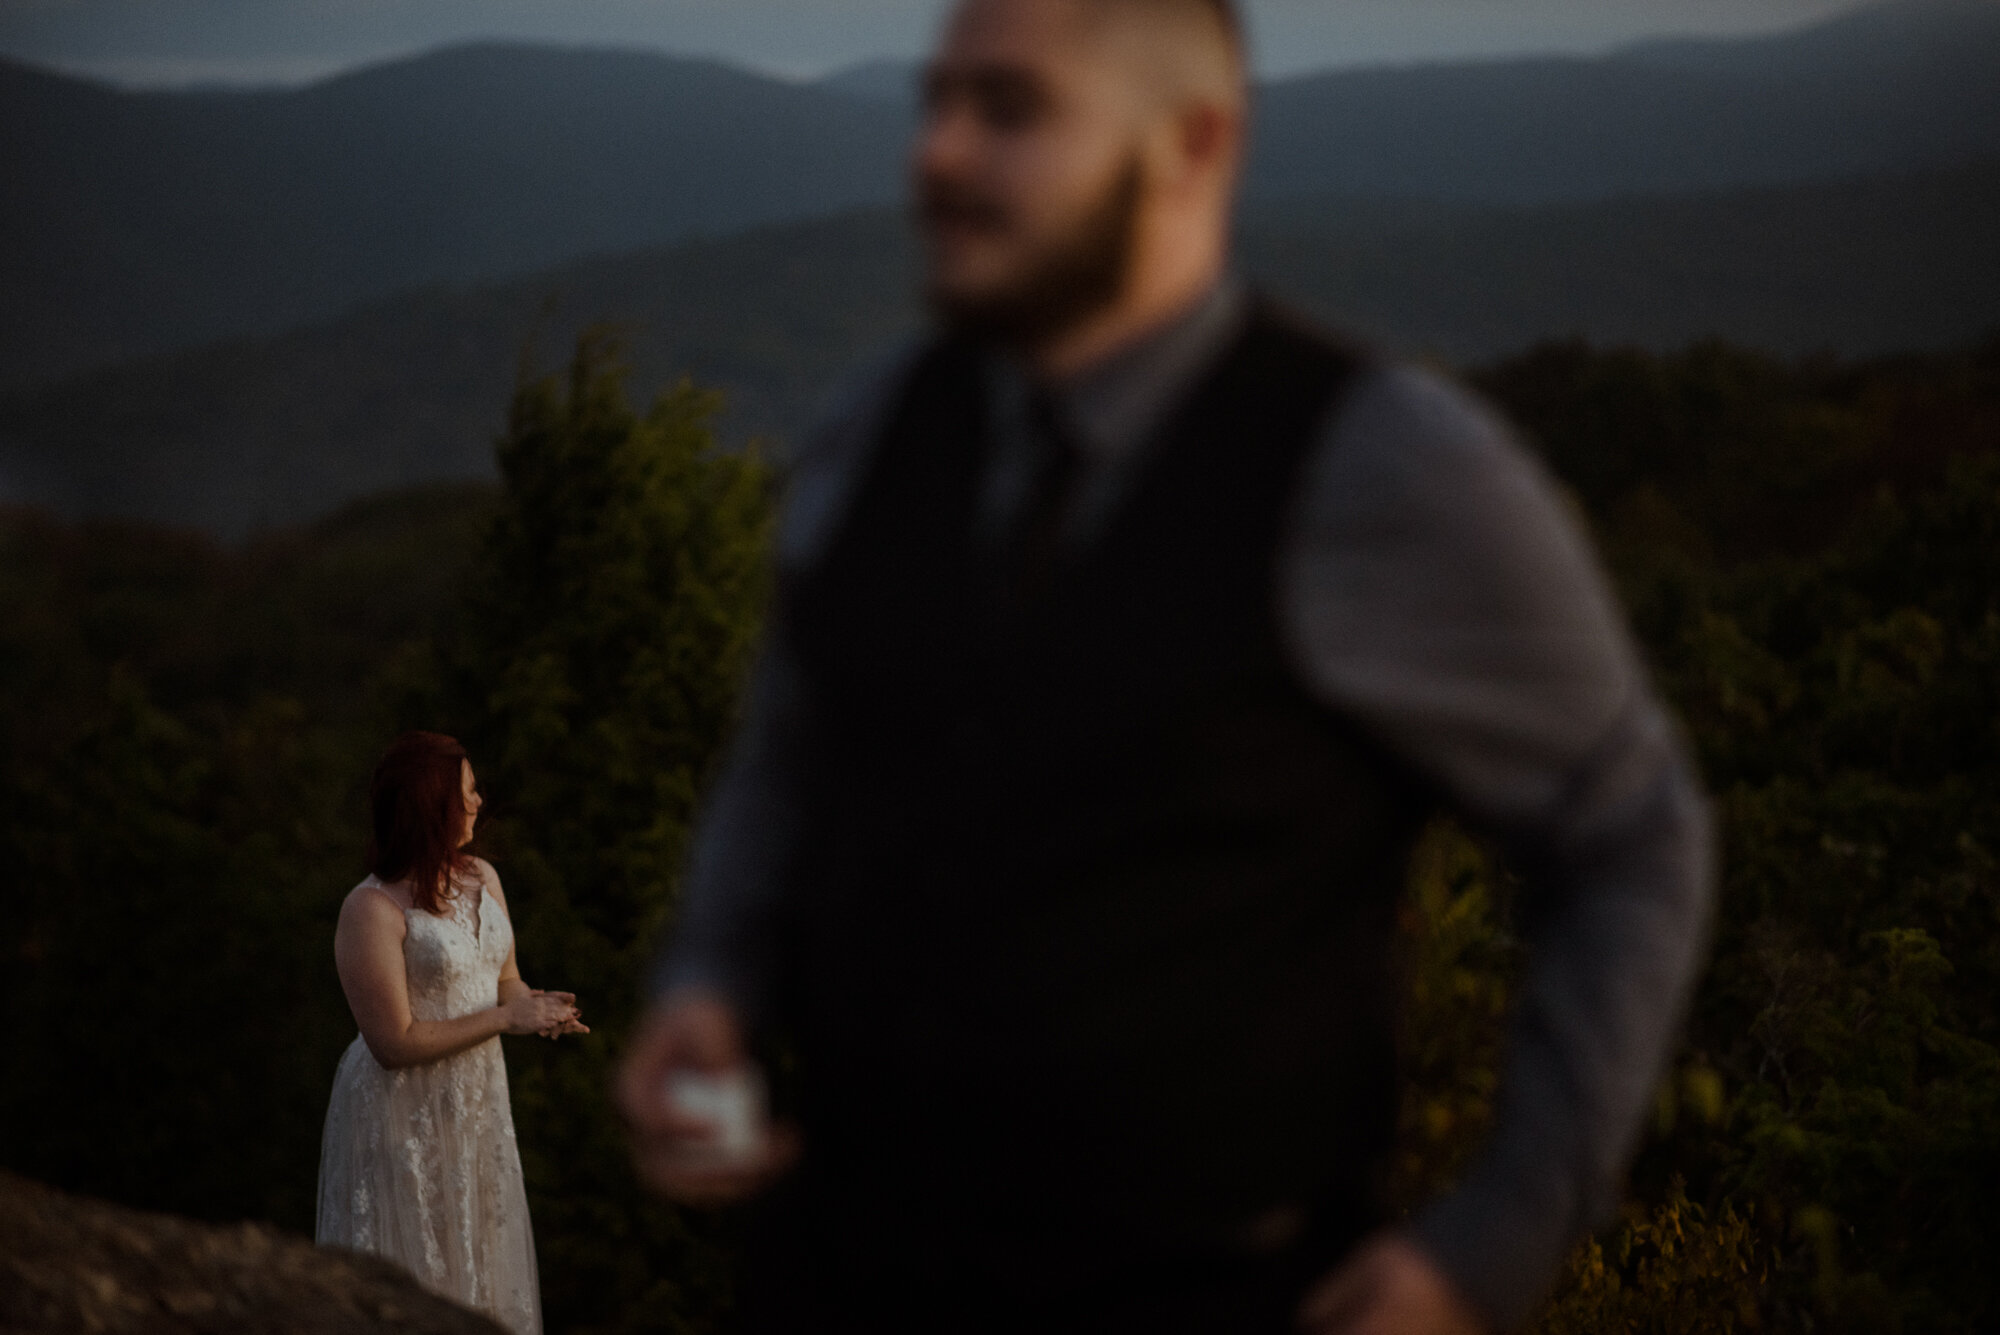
(133, 222)
(136, 223)
(258, 432)
(1896, 86)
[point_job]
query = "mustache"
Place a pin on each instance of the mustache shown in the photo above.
(949, 203)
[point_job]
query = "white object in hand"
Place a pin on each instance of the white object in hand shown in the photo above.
(732, 1103)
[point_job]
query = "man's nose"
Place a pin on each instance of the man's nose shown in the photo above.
(946, 142)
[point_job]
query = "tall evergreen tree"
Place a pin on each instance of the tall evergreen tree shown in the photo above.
(608, 633)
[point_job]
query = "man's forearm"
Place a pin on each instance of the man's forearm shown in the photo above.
(725, 939)
(1439, 593)
(724, 944)
(1613, 955)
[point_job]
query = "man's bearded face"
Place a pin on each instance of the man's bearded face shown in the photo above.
(1027, 285)
(1029, 180)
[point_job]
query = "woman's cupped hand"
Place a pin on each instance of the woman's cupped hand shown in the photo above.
(550, 1014)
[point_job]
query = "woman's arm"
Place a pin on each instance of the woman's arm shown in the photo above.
(511, 984)
(368, 949)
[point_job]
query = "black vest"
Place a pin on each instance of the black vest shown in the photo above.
(1092, 920)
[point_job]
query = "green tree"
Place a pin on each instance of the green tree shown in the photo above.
(606, 638)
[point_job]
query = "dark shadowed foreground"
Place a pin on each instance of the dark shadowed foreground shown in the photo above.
(72, 1264)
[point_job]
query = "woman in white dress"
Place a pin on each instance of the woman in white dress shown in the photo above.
(419, 1163)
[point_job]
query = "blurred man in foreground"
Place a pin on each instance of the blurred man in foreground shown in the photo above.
(1129, 632)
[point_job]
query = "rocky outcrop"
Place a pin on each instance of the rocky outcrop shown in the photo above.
(74, 1265)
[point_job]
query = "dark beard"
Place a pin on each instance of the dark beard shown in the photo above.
(1082, 276)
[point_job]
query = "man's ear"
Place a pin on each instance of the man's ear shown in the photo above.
(1209, 135)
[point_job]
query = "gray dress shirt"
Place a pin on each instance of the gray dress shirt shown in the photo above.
(1436, 588)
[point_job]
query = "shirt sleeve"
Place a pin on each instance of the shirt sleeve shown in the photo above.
(1438, 590)
(724, 940)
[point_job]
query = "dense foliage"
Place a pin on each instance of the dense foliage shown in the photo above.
(1813, 556)
(188, 735)
(185, 738)
(1811, 552)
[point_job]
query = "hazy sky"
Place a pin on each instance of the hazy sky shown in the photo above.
(179, 41)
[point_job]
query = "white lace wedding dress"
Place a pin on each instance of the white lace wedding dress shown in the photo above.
(419, 1165)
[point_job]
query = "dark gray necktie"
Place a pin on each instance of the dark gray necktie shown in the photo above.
(1036, 533)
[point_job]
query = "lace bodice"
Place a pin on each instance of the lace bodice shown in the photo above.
(453, 962)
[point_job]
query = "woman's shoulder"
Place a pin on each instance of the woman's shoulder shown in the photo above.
(372, 906)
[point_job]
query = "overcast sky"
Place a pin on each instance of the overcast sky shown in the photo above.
(181, 41)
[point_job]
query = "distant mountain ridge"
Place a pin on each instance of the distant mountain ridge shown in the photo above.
(1869, 37)
(892, 81)
(413, 389)
(136, 223)
(1902, 85)
(1895, 34)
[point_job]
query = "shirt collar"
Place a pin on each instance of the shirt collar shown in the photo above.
(1112, 406)
(1109, 408)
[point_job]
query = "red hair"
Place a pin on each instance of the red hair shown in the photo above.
(418, 804)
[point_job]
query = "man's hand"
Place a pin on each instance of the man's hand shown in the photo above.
(1388, 1287)
(675, 1155)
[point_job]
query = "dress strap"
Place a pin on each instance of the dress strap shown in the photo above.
(374, 882)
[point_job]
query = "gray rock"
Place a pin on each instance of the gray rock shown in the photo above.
(71, 1264)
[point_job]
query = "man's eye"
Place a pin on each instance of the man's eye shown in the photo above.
(1010, 101)
(1011, 109)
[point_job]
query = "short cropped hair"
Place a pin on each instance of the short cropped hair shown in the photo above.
(1226, 17)
(1216, 22)
(1222, 15)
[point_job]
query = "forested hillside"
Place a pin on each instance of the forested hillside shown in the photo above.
(279, 431)
(1811, 551)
